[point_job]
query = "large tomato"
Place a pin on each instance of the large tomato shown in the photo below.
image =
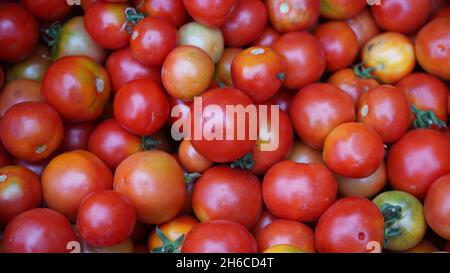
(19, 91)
(437, 207)
(191, 160)
(293, 15)
(364, 26)
(76, 136)
(48, 10)
(350, 225)
(33, 67)
(363, 187)
(171, 10)
(211, 13)
(341, 9)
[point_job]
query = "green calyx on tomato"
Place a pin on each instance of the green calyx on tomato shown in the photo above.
(246, 162)
(426, 119)
(52, 33)
(132, 18)
(281, 76)
(364, 73)
(168, 246)
(392, 214)
(190, 178)
(148, 143)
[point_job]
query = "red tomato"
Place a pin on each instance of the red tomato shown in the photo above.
(443, 12)
(317, 109)
(267, 38)
(4, 156)
(304, 56)
(19, 91)
(210, 13)
(223, 67)
(293, 15)
(106, 218)
(364, 27)
(264, 220)
(353, 150)
(153, 39)
(190, 159)
(183, 106)
(417, 160)
(86, 4)
(259, 72)
(246, 23)
(302, 153)
(37, 167)
(19, 33)
(437, 207)
(170, 10)
(20, 191)
(300, 192)
(282, 231)
(76, 136)
(141, 107)
(401, 16)
(283, 99)
(219, 236)
(341, 9)
(173, 230)
(48, 10)
(38, 231)
(65, 185)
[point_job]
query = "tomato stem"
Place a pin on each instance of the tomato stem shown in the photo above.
(190, 178)
(148, 143)
(246, 162)
(426, 119)
(392, 214)
(167, 245)
(52, 33)
(132, 18)
(364, 73)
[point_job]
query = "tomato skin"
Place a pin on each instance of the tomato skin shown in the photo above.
(426, 246)
(219, 236)
(341, 9)
(401, 16)
(293, 15)
(302, 153)
(76, 136)
(364, 26)
(282, 231)
(304, 56)
(283, 249)
(259, 72)
(348, 226)
(18, 31)
(179, 226)
(246, 23)
(223, 67)
(19, 91)
(443, 12)
(437, 208)
(210, 13)
(27, 192)
(408, 158)
(267, 38)
(311, 121)
(65, 186)
(171, 10)
(283, 99)
(48, 10)
(37, 167)
(353, 150)
(5, 159)
(264, 220)
(38, 231)
(190, 159)
(33, 67)
(124, 247)
(141, 107)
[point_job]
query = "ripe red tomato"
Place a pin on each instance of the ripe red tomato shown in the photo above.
(341, 9)
(219, 236)
(173, 230)
(433, 48)
(259, 72)
(170, 10)
(400, 16)
(437, 207)
(364, 26)
(106, 218)
(153, 39)
(302, 153)
(64, 186)
(353, 150)
(317, 109)
(76, 136)
(154, 182)
(223, 193)
(19, 34)
(293, 15)
(264, 220)
(19, 91)
(20, 190)
(48, 10)
(38, 231)
(417, 160)
(304, 56)
(191, 160)
(348, 226)
(267, 38)
(223, 67)
(246, 23)
(282, 231)
(124, 247)
(77, 87)
(210, 13)
(31, 130)
(33, 67)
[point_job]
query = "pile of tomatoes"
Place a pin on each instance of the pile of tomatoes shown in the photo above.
(88, 160)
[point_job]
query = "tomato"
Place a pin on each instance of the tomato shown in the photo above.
(264, 220)
(433, 48)
(173, 234)
(31, 130)
(77, 88)
(426, 246)
(341, 9)
(141, 107)
(347, 80)
(302, 153)
(210, 13)
(304, 56)
(210, 40)
(86, 4)
(171, 10)
(293, 15)
(38, 231)
(64, 186)
(18, 91)
(18, 31)
(190, 159)
(283, 99)
(37, 167)
(219, 236)
(187, 83)
(353, 150)
(33, 67)
(218, 148)
(246, 23)
(363, 187)
(417, 160)
(282, 231)
(385, 109)
(436, 5)
(223, 67)
(74, 40)
(364, 27)
(123, 67)
(401, 16)
(20, 190)
(48, 10)
(377, 56)
(76, 136)
(124, 247)
(223, 193)
(348, 226)
(182, 116)
(267, 38)
(437, 208)
(259, 72)
(283, 249)
(152, 40)
(154, 182)
(317, 109)
(443, 12)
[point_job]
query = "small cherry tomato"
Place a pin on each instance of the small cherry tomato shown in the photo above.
(223, 67)
(364, 26)
(365, 187)
(48, 10)
(210, 13)
(437, 208)
(267, 38)
(293, 15)
(190, 159)
(170, 10)
(18, 91)
(76, 136)
(33, 67)
(341, 9)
